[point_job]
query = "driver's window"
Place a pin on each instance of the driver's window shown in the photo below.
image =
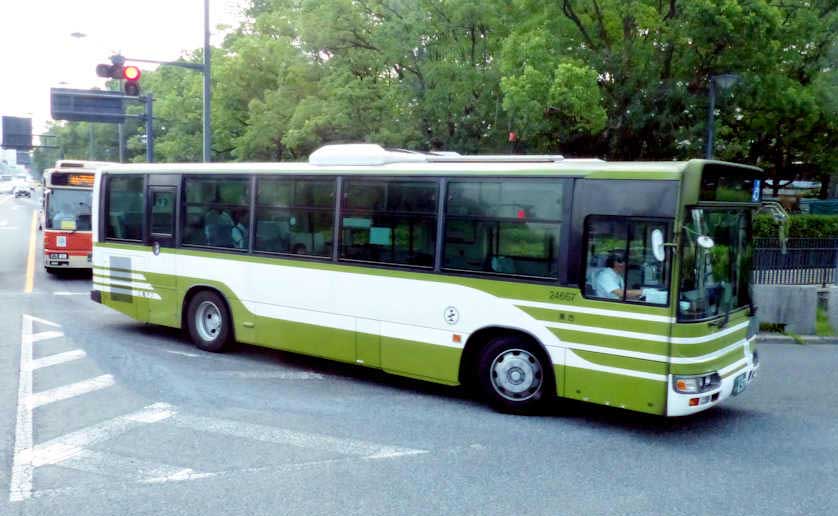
(625, 260)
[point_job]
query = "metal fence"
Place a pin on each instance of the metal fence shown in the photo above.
(808, 261)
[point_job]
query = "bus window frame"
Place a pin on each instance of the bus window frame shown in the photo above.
(106, 203)
(183, 205)
(341, 211)
(668, 259)
(292, 177)
(562, 256)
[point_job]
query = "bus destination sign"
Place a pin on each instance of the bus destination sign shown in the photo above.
(79, 179)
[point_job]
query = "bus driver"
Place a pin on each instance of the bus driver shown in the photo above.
(609, 281)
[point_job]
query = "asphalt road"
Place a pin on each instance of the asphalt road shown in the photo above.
(123, 418)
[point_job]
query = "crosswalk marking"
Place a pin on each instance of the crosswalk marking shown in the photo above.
(58, 358)
(70, 391)
(75, 450)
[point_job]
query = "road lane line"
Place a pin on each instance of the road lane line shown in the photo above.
(70, 445)
(274, 435)
(20, 486)
(58, 358)
(129, 468)
(30, 260)
(71, 391)
(67, 293)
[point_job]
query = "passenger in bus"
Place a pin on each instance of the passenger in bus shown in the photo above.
(238, 232)
(609, 281)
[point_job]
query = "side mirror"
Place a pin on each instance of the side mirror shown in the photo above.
(705, 242)
(657, 245)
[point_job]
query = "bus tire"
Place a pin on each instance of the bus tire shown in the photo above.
(209, 321)
(51, 270)
(514, 376)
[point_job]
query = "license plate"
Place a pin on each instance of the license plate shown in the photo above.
(739, 384)
(58, 256)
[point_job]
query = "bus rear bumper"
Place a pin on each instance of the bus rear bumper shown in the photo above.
(67, 260)
(733, 384)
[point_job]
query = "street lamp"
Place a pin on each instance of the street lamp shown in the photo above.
(724, 82)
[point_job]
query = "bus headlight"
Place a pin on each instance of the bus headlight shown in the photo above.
(696, 384)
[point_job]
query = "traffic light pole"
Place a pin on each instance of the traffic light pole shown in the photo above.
(149, 130)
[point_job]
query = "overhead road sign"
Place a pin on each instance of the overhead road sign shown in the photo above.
(17, 133)
(87, 105)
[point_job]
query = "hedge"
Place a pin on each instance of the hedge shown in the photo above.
(800, 226)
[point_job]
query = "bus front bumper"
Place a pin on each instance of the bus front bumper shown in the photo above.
(732, 384)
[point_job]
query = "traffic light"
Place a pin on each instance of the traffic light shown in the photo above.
(111, 71)
(131, 74)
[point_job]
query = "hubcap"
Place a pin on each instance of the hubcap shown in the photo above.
(516, 375)
(208, 321)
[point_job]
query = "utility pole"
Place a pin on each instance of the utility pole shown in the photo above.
(207, 86)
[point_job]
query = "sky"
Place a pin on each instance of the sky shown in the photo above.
(38, 52)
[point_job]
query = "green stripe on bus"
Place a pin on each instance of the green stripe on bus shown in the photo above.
(616, 390)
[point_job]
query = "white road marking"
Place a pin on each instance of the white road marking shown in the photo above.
(44, 335)
(70, 445)
(271, 375)
(129, 468)
(182, 353)
(274, 435)
(71, 391)
(58, 358)
(20, 486)
(67, 293)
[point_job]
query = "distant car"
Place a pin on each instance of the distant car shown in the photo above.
(23, 192)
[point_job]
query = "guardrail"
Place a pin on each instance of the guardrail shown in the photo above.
(807, 261)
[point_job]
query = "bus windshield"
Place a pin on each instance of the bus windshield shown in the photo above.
(716, 255)
(68, 210)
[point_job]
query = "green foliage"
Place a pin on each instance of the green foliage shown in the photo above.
(619, 79)
(800, 226)
(822, 326)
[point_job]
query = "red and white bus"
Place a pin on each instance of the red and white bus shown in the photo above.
(68, 190)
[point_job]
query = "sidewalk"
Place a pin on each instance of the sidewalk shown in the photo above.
(779, 338)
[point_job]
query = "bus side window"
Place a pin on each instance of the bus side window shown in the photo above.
(620, 263)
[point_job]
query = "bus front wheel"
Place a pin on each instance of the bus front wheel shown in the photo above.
(209, 321)
(514, 376)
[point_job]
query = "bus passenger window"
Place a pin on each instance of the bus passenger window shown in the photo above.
(389, 221)
(217, 212)
(503, 227)
(295, 216)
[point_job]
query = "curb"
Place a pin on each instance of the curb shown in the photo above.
(778, 338)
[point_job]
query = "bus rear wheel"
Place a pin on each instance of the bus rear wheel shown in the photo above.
(513, 375)
(209, 321)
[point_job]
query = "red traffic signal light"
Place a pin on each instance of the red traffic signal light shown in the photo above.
(131, 73)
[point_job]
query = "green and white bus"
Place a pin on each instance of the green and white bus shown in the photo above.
(526, 277)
